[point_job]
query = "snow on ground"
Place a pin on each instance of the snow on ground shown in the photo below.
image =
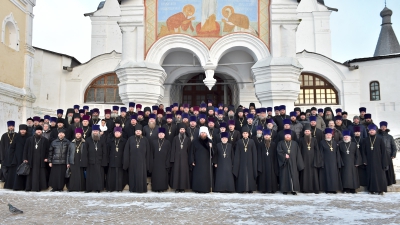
(192, 208)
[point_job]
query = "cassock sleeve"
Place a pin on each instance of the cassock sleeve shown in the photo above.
(149, 156)
(393, 147)
(259, 159)
(104, 159)
(215, 156)
(317, 155)
(339, 158)
(192, 159)
(363, 152)
(172, 153)
(321, 151)
(254, 152)
(127, 154)
(46, 146)
(274, 157)
(236, 161)
(70, 149)
(385, 163)
(299, 160)
(167, 158)
(84, 154)
(281, 155)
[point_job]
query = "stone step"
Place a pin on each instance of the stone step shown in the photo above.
(392, 188)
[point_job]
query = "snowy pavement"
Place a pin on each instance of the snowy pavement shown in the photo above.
(191, 208)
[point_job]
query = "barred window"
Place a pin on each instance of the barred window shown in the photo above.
(374, 91)
(315, 90)
(103, 89)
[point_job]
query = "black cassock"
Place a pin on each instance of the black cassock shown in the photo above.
(117, 177)
(234, 136)
(224, 179)
(267, 167)
(150, 134)
(376, 163)
(129, 131)
(137, 160)
(171, 130)
(14, 181)
(5, 161)
(351, 158)
(315, 133)
(180, 163)
(289, 168)
(362, 169)
(95, 158)
(281, 136)
(329, 174)
(192, 133)
(37, 178)
(245, 165)
(161, 151)
(200, 155)
(76, 180)
(312, 161)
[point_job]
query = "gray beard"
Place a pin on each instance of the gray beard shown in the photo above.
(231, 114)
(178, 120)
(95, 117)
(96, 137)
(10, 131)
(114, 115)
(139, 119)
(346, 141)
(328, 139)
(259, 135)
(328, 117)
(69, 119)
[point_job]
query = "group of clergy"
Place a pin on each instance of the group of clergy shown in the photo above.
(202, 148)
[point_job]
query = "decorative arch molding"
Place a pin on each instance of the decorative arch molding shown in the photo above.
(10, 23)
(247, 42)
(165, 45)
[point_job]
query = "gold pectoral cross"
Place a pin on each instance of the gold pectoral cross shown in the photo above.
(169, 133)
(372, 147)
(123, 125)
(137, 146)
(309, 147)
(245, 149)
(84, 136)
(77, 150)
(331, 149)
(116, 149)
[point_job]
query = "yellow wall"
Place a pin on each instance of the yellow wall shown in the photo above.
(12, 63)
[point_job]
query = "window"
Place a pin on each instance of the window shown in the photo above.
(315, 90)
(374, 91)
(103, 89)
(10, 33)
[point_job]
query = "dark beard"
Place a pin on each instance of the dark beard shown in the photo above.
(268, 142)
(38, 136)
(10, 131)
(308, 138)
(181, 135)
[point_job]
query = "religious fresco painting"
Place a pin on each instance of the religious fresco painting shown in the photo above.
(206, 20)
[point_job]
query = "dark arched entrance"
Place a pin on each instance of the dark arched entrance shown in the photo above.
(195, 91)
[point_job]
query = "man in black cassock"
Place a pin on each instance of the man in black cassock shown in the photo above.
(281, 134)
(234, 135)
(223, 162)
(391, 150)
(375, 159)
(161, 151)
(95, 158)
(87, 130)
(117, 177)
(290, 163)
(54, 132)
(200, 156)
(36, 152)
(138, 161)
(311, 154)
(5, 143)
(76, 150)
(240, 120)
(268, 170)
(212, 130)
(192, 131)
(245, 163)
(70, 132)
(179, 159)
(351, 158)
(14, 159)
(358, 140)
(315, 131)
(329, 175)
(150, 131)
(171, 130)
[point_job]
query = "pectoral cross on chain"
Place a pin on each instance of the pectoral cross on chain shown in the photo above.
(309, 147)
(116, 149)
(372, 147)
(224, 154)
(348, 152)
(331, 149)
(36, 146)
(245, 149)
(77, 150)
(358, 146)
(137, 146)
(181, 146)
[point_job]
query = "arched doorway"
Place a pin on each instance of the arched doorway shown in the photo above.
(195, 92)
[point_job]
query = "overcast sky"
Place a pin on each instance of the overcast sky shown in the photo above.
(61, 27)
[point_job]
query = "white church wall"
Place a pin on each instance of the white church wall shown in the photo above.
(48, 82)
(386, 72)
